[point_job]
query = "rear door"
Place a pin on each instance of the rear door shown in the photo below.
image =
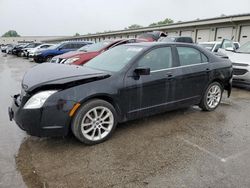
(193, 75)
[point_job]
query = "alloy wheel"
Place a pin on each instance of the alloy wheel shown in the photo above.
(97, 123)
(214, 96)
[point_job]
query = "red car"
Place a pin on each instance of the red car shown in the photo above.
(86, 53)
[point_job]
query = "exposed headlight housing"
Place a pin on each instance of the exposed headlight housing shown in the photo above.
(37, 100)
(71, 60)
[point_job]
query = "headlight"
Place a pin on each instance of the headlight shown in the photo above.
(37, 100)
(71, 60)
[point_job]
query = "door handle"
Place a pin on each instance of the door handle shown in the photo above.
(169, 75)
(207, 69)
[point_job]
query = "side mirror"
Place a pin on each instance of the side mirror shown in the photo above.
(230, 49)
(142, 71)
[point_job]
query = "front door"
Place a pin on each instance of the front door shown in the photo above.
(149, 93)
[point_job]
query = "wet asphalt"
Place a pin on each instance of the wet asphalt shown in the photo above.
(183, 148)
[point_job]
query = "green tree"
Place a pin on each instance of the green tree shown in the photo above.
(77, 34)
(164, 22)
(134, 26)
(11, 33)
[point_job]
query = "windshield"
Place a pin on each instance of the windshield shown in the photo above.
(95, 47)
(114, 59)
(245, 48)
(207, 46)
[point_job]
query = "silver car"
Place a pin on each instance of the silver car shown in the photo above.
(241, 65)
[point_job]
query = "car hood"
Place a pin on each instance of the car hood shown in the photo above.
(240, 58)
(57, 76)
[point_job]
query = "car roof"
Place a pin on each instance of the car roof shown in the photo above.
(151, 44)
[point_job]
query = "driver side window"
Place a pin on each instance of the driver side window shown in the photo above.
(157, 59)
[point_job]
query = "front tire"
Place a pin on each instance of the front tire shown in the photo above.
(94, 122)
(212, 97)
(48, 59)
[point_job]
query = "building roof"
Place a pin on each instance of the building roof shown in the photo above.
(197, 22)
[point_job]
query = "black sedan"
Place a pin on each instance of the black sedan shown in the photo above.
(127, 82)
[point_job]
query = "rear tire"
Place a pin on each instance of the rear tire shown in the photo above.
(94, 122)
(212, 97)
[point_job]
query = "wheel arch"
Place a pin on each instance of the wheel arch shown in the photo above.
(108, 99)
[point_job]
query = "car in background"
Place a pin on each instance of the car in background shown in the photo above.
(87, 53)
(127, 82)
(41, 47)
(182, 39)
(152, 36)
(241, 65)
(212, 46)
(24, 51)
(58, 49)
(4, 47)
(220, 46)
(10, 48)
(17, 50)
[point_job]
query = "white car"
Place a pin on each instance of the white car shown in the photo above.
(241, 65)
(212, 46)
(222, 46)
(31, 52)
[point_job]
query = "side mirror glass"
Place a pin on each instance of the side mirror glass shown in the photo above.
(142, 71)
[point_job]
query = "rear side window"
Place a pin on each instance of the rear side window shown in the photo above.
(79, 45)
(190, 56)
(66, 46)
(157, 59)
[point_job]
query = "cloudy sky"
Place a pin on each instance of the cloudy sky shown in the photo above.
(66, 17)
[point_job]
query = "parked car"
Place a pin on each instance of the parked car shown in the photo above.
(4, 47)
(61, 48)
(222, 46)
(152, 36)
(10, 48)
(176, 39)
(126, 82)
(17, 50)
(241, 65)
(24, 51)
(86, 53)
(212, 46)
(41, 47)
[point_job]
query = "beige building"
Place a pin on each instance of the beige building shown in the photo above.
(25, 39)
(236, 27)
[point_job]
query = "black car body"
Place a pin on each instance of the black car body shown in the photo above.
(180, 76)
(17, 50)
